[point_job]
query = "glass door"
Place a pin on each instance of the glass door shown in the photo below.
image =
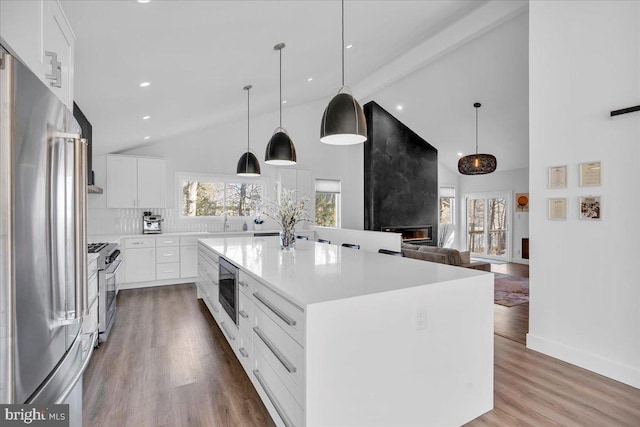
(488, 218)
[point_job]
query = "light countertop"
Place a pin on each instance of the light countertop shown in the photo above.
(114, 238)
(317, 272)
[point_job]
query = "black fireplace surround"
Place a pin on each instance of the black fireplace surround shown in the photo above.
(400, 179)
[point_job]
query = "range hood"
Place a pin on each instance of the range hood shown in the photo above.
(87, 133)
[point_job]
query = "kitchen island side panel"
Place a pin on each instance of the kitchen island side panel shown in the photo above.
(371, 362)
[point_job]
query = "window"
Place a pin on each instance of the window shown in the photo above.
(447, 206)
(208, 196)
(328, 202)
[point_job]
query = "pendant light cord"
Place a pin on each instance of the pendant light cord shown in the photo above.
(476, 131)
(343, 43)
(248, 118)
(280, 87)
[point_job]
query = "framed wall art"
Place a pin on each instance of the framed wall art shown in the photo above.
(558, 176)
(590, 174)
(590, 208)
(558, 208)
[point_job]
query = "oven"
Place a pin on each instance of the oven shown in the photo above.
(228, 288)
(109, 262)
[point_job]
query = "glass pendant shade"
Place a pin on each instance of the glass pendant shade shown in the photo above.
(280, 149)
(343, 121)
(477, 164)
(248, 165)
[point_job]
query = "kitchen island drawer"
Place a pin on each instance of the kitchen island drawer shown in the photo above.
(140, 242)
(283, 353)
(208, 254)
(284, 313)
(276, 393)
(168, 271)
(167, 254)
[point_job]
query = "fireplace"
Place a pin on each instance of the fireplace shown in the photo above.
(418, 234)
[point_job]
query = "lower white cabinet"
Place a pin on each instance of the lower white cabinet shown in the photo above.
(160, 260)
(140, 265)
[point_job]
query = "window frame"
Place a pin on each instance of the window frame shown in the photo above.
(451, 195)
(338, 193)
(181, 177)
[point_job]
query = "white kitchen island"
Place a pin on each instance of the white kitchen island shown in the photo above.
(333, 336)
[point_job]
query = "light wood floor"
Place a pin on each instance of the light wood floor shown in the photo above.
(167, 364)
(511, 322)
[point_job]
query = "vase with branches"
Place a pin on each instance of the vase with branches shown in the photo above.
(287, 212)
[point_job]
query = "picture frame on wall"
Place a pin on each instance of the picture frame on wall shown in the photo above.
(590, 174)
(558, 176)
(558, 208)
(590, 208)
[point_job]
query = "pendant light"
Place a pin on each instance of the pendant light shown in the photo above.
(280, 149)
(343, 121)
(477, 164)
(248, 164)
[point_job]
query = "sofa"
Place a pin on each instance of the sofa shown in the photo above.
(443, 256)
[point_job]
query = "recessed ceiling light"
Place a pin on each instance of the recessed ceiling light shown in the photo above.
(349, 46)
(459, 154)
(284, 102)
(144, 84)
(399, 107)
(147, 137)
(143, 1)
(309, 79)
(146, 117)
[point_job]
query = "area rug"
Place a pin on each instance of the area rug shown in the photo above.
(510, 290)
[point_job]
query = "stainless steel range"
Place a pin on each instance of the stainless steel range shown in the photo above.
(109, 261)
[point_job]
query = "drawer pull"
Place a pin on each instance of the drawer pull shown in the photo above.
(243, 314)
(213, 306)
(272, 398)
(226, 331)
(243, 352)
(281, 358)
(167, 241)
(289, 321)
(243, 284)
(167, 254)
(168, 271)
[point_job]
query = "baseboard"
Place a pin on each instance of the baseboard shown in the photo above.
(165, 282)
(626, 374)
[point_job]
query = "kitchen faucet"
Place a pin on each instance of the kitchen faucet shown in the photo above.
(225, 223)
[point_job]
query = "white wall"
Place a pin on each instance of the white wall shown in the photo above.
(512, 181)
(585, 293)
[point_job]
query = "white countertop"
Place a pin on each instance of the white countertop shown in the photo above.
(317, 272)
(113, 238)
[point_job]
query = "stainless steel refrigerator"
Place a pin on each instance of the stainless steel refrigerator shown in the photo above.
(43, 251)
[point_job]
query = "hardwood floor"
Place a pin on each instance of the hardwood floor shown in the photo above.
(167, 364)
(511, 322)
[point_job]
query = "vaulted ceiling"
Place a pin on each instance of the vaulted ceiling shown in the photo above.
(198, 55)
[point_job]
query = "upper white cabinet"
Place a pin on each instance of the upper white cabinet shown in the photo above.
(135, 182)
(38, 33)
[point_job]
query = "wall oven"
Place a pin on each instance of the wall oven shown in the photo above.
(228, 288)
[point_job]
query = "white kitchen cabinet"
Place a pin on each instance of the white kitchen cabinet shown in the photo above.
(140, 265)
(135, 182)
(188, 261)
(36, 31)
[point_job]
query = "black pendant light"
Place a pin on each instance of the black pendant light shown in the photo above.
(477, 164)
(280, 149)
(248, 164)
(343, 121)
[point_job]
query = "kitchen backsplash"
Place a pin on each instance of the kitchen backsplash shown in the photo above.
(129, 221)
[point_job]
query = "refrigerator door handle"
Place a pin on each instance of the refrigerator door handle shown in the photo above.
(80, 228)
(92, 337)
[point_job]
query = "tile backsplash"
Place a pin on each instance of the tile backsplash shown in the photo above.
(129, 221)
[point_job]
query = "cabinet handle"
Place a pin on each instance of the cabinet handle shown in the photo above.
(243, 314)
(213, 306)
(243, 284)
(226, 331)
(167, 254)
(56, 69)
(168, 271)
(290, 367)
(243, 352)
(272, 398)
(289, 321)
